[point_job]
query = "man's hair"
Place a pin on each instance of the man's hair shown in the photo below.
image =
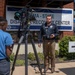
(2, 21)
(48, 16)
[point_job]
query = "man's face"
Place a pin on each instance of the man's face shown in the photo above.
(48, 19)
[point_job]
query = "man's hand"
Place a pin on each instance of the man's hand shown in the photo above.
(52, 36)
(39, 45)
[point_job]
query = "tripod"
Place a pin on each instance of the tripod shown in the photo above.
(25, 36)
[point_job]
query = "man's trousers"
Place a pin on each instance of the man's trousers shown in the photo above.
(49, 53)
(4, 67)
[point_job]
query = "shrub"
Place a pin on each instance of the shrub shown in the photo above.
(63, 47)
(56, 53)
(12, 57)
(31, 56)
(20, 62)
(41, 56)
(70, 56)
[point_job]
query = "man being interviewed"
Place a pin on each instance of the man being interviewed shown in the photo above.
(6, 43)
(48, 33)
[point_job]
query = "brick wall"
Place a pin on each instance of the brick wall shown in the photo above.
(2, 8)
(68, 33)
(44, 3)
(69, 5)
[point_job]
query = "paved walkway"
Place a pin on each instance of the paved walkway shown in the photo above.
(67, 68)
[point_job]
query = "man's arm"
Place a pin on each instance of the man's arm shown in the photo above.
(9, 50)
(56, 31)
(9, 45)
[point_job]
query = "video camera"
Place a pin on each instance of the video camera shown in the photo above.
(24, 15)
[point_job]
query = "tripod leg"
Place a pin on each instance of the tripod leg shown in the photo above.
(26, 56)
(44, 67)
(13, 66)
(35, 52)
(44, 63)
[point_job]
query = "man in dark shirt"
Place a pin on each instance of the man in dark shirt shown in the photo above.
(48, 33)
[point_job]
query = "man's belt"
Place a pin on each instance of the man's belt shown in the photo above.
(4, 59)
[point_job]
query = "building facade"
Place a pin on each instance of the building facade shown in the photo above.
(39, 3)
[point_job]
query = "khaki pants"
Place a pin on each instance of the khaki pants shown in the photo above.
(49, 52)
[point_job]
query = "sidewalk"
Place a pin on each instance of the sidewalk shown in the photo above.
(67, 68)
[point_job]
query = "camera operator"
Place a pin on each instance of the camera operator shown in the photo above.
(48, 33)
(6, 43)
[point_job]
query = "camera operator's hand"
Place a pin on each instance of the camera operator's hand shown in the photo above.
(52, 36)
(39, 45)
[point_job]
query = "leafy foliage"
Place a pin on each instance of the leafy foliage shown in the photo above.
(31, 56)
(12, 57)
(41, 56)
(20, 62)
(56, 53)
(63, 46)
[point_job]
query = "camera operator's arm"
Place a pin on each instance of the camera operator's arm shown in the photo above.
(9, 45)
(9, 50)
